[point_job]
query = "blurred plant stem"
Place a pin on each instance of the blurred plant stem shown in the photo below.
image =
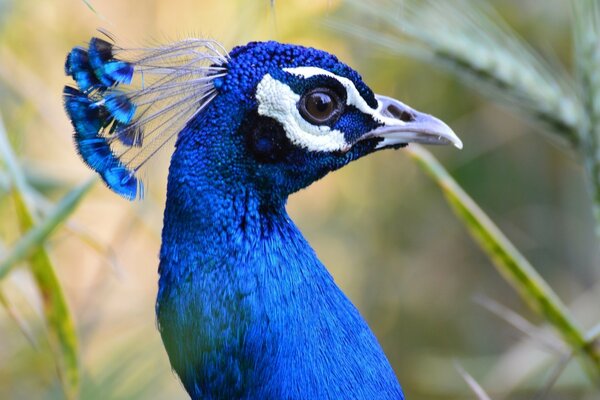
(13, 313)
(586, 37)
(510, 263)
(39, 234)
(473, 384)
(90, 6)
(61, 327)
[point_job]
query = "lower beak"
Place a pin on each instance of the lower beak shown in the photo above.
(404, 125)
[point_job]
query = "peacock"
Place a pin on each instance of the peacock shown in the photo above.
(244, 307)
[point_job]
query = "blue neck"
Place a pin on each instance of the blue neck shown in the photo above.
(245, 308)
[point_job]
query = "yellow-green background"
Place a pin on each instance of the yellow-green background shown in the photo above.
(380, 225)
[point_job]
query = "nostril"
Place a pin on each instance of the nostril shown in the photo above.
(400, 114)
(406, 116)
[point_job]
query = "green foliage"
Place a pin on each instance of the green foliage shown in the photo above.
(38, 234)
(61, 327)
(587, 65)
(510, 263)
(466, 38)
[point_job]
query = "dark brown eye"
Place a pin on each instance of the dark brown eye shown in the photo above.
(320, 106)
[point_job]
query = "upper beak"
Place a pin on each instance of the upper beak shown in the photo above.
(403, 125)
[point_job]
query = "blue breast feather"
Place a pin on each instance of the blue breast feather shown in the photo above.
(259, 317)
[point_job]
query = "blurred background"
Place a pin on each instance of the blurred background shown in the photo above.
(380, 225)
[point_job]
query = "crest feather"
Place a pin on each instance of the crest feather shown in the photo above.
(130, 102)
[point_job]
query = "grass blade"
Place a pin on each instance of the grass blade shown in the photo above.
(37, 235)
(509, 262)
(16, 174)
(61, 327)
(473, 384)
(586, 34)
(19, 321)
(89, 5)
(538, 335)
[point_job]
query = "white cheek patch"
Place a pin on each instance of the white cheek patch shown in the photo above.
(353, 97)
(278, 101)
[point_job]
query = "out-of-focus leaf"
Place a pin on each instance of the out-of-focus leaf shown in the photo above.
(39, 182)
(594, 333)
(89, 5)
(7, 156)
(130, 365)
(509, 262)
(131, 372)
(61, 328)
(586, 29)
(38, 234)
(16, 317)
(473, 384)
(539, 336)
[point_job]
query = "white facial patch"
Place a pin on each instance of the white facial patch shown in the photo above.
(278, 101)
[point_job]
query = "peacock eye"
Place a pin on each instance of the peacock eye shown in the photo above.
(321, 106)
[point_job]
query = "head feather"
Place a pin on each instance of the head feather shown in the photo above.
(131, 101)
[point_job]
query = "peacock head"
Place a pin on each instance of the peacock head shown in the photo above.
(273, 116)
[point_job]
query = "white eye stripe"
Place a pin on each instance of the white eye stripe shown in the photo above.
(353, 97)
(278, 101)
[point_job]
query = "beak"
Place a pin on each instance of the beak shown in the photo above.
(404, 125)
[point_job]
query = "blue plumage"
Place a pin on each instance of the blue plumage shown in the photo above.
(108, 70)
(126, 98)
(88, 119)
(245, 308)
(120, 107)
(77, 66)
(119, 71)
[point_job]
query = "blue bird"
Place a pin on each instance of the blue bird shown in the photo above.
(245, 308)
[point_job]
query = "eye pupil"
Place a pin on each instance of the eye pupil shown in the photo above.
(320, 106)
